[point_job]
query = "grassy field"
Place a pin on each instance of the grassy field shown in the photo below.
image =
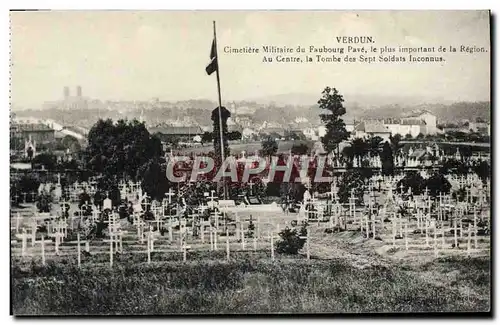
(248, 285)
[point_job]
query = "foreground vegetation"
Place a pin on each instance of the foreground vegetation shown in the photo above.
(252, 286)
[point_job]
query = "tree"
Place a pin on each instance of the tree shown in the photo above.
(332, 103)
(224, 115)
(437, 184)
(360, 149)
(43, 203)
(465, 153)
(47, 160)
(387, 160)
(269, 147)
(300, 149)
(374, 145)
(71, 143)
(453, 166)
(117, 150)
(207, 137)
(83, 198)
(352, 180)
(408, 136)
(234, 135)
(395, 140)
(420, 136)
(414, 181)
(294, 135)
(483, 170)
(153, 178)
(27, 184)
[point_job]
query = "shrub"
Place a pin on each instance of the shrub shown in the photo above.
(351, 180)
(43, 203)
(47, 160)
(459, 194)
(483, 170)
(436, 184)
(300, 149)
(414, 180)
(269, 147)
(28, 184)
(290, 242)
(453, 166)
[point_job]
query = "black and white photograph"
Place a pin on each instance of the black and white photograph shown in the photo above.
(250, 162)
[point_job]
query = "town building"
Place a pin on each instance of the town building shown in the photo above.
(184, 133)
(405, 126)
(68, 102)
(480, 127)
(38, 132)
(370, 129)
(423, 115)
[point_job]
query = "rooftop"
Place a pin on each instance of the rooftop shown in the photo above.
(176, 130)
(372, 127)
(417, 113)
(38, 127)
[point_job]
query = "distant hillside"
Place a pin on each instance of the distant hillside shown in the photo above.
(276, 111)
(464, 110)
(373, 106)
(364, 101)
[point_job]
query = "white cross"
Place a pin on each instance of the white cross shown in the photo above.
(212, 197)
(251, 184)
(170, 194)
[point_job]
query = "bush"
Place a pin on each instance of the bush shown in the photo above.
(47, 160)
(43, 203)
(453, 166)
(28, 184)
(437, 184)
(414, 180)
(483, 170)
(300, 149)
(351, 180)
(459, 194)
(84, 199)
(269, 147)
(290, 242)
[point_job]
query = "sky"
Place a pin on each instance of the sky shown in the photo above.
(140, 55)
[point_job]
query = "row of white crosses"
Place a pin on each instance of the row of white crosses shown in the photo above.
(130, 191)
(336, 208)
(59, 230)
(430, 224)
(56, 229)
(25, 195)
(426, 224)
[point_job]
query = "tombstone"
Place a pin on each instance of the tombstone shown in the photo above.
(123, 191)
(58, 192)
(306, 197)
(107, 204)
(41, 188)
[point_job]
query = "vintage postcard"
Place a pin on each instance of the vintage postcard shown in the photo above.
(250, 162)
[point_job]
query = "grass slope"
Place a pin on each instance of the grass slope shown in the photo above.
(252, 286)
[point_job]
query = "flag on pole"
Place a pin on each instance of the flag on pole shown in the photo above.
(212, 66)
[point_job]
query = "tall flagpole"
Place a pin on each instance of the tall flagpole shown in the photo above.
(220, 110)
